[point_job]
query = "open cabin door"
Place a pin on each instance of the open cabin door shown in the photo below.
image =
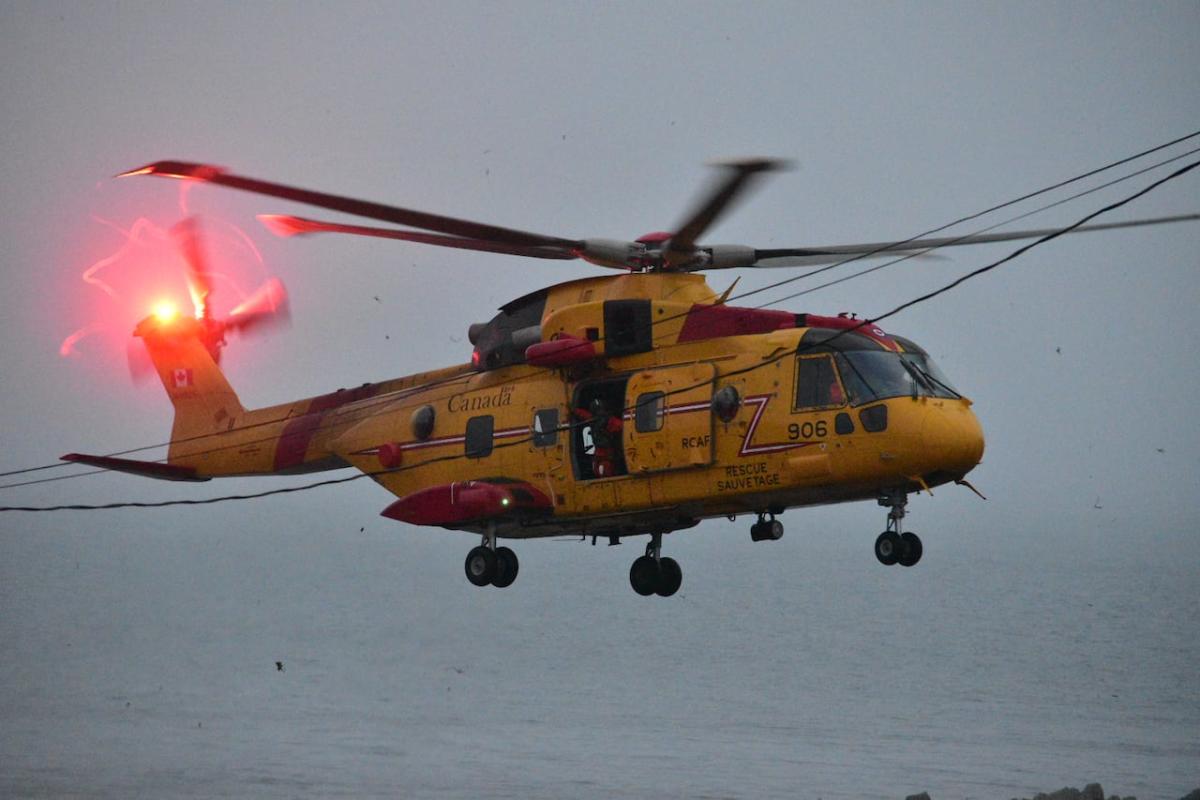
(670, 425)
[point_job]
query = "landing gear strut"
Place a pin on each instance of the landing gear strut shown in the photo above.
(766, 530)
(894, 546)
(489, 564)
(655, 574)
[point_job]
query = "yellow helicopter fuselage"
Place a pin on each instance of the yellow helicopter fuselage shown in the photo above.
(717, 410)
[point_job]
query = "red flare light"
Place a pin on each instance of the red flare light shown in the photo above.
(145, 270)
(165, 311)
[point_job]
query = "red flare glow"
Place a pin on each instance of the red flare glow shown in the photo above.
(145, 269)
(67, 348)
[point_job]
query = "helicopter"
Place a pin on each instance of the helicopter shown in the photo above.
(633, 404)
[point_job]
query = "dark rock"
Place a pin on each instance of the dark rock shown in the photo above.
(1068, 793)
(1194, 794)
(921, 796)
(1092, 791)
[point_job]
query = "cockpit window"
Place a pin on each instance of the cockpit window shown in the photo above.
(875, 375)
(868, 371)
(817, 384)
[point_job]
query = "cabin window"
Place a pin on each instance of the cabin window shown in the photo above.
(479, 436)
(817, 384)
(651, 408)
(422, 422)
(545, 427)
(874, 419)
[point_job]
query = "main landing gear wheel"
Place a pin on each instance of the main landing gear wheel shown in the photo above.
(670, 577)
(644, 575)
(653, 574)
(481, 566)
(910, 549)
(887, 548)
(506, 567)
(488, 564)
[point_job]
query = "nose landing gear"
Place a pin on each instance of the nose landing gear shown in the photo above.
(894, 546)
(488, 564)
(655, 574)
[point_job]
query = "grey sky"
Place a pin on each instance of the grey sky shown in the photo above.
(596, 120)
(1045, 639)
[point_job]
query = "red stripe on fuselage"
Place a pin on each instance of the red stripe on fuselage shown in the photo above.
(714, 322)
(748, 449)
(298, 433)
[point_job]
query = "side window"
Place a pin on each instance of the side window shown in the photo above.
(479, 436)
(648, 416)
(545, 427)
(817, 383)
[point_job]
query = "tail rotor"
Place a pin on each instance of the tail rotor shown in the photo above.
(266, 308)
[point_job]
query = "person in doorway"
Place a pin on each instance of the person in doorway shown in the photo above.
(606, 437)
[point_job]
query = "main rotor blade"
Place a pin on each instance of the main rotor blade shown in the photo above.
(739, 176)
(186, 234)
(806, 256)
(348, 205)
(284, 225)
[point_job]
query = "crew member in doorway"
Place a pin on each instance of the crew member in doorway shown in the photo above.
(606, 438)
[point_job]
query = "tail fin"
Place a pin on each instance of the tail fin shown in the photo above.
(184, 352)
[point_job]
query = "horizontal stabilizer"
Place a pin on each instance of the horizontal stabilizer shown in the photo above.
(147, 469)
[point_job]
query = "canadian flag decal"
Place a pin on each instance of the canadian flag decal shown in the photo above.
(181, 378)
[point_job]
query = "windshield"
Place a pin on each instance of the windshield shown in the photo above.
(875, 374)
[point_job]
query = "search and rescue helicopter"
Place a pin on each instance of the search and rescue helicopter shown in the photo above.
(627, 405)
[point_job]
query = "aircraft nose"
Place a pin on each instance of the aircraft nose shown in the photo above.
(953, 438)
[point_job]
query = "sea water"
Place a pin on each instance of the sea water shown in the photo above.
(139, 659)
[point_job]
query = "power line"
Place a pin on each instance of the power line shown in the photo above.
(391, 397)
(1008, 221)
(969, 217)
(403, 393)
(766, 362)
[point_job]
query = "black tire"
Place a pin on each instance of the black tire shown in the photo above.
(910, 549)
(644, 576)
(888, 548)
(480, 566)
(670, 577)
(506, 567)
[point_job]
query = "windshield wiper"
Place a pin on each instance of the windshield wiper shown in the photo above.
(929, 380)
(918, 377)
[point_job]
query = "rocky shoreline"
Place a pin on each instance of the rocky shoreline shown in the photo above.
(1093, 791)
